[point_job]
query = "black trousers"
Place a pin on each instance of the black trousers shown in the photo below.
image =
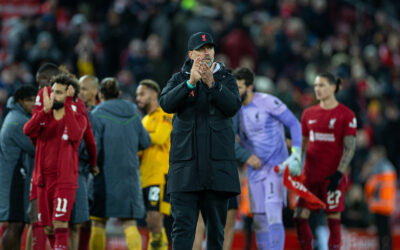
(382, 223)
(185, 207)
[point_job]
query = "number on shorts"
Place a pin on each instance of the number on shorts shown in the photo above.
(154, 193)
(333, 197)
(272, 187)
(61, 205)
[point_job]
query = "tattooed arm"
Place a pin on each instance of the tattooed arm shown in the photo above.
(349, 146)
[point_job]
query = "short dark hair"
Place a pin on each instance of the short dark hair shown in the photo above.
(48, 69)
(109, 88)
(151, 84)
(245, 74)
(332, 80)
(66, 79)
(25, 91)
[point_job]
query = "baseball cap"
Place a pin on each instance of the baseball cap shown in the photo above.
(199, 39)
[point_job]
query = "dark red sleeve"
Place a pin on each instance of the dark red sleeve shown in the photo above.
(76, 126)
(88, 137)
(33, 127)
(304, 129)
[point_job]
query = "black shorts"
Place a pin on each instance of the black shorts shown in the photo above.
(155, 199)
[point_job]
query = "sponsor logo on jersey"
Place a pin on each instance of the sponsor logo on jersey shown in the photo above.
(353, 124)
(312, 121)
(73, 107)
(332, 123)
(58, 215)
(327, 137)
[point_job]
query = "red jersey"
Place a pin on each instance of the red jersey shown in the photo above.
(88, 137)
(325, 130)
(57, 144)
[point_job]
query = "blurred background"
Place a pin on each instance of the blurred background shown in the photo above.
(285, 42)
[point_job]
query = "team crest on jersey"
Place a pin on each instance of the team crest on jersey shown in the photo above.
(332, 123)
(65, 134)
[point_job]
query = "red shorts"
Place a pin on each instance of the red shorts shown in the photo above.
(334, 200)
(54, 203)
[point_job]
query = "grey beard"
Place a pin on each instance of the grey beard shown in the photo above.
(210, 63)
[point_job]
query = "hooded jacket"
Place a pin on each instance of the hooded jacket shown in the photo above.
(202, 155)
(16, 157)
(117, 189)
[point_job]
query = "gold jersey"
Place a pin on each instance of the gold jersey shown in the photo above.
(154, 161)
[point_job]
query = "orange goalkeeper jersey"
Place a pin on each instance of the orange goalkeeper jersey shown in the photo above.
(154, 161)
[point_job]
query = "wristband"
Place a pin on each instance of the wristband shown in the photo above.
(190, 85)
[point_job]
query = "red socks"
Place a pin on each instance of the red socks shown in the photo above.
(52, 240)
(62, 236)
(334, 236)
(84, 238)
(3, 228)
(38, 237)
(304, 234)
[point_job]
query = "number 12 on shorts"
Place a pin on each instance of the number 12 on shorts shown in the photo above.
(61, 205)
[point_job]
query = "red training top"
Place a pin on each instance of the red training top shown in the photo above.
(57, 144)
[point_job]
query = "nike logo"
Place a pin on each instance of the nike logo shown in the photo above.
(58, 215)
(312, 121)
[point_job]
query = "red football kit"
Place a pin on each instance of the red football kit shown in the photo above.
(326, 129)
(88, 137)
(56, 160)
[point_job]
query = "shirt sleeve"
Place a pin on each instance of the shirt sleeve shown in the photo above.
(274, 105)
(350, 124)
(75, 122)
(88, 137)
(290, 121)
(21, 140)
(242, 155)
(304, 129)
(163, 130)
(33, 127)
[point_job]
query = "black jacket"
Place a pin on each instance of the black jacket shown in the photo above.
(202, 155)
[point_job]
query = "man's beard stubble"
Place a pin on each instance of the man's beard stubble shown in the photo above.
(243, 96)
(58, 105)
(209, 61)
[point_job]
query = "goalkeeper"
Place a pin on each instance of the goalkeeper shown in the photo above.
(262, 118)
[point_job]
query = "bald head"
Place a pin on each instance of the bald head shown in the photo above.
(88, 89)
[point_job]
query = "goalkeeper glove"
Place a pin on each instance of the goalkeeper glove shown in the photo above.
(334, 180)
(293, 162)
